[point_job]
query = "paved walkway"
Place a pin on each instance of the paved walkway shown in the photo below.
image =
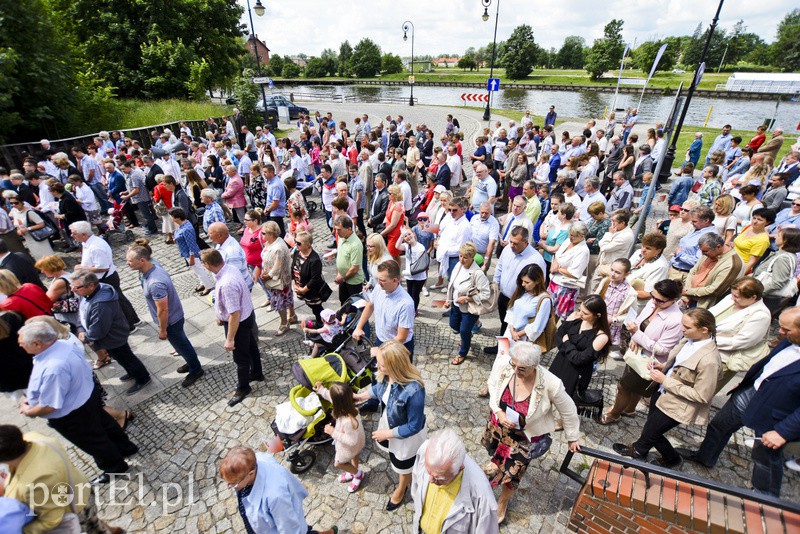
(183, 433)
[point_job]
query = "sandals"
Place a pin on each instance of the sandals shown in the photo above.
(629, 414)
(356, 482)
(99, 364)
(345, 477)
(199, 288)
(294, 320)
(606, 420)
(282, 329)
(458, 360)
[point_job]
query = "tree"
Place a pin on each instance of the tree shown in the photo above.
(570, 55)
(276, 65)
(645, 54)
(467, 62)
(316, 68)
(391, 64)
(520, 53)
(366, 59)
(486, 52)
(38, 86)
(331, 60)
(290, 69)
(109, 39)
(606, 53)
(345, 53)
(248, 96)
(166, 68)
(199, 74)
(787, 45)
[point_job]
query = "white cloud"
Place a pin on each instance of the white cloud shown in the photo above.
(452, 26)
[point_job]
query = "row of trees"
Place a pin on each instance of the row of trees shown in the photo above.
(363, 61)
(63, 61)
(735, 46)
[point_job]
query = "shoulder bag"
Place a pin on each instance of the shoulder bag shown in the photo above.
(547, 339)
(486, 306)
(640, 363)
(421, 264)
(42, 233)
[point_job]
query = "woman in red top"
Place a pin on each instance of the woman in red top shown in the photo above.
(29, 300)
(162, 194)
(395, 216)
(253, 245)
(759, 139)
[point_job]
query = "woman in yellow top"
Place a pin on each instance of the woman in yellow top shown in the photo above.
(753, 242)
(38, 467)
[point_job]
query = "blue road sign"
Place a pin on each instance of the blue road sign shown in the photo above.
(271, 83)
(493, 84)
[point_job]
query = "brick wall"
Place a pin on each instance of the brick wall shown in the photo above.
(617, 500)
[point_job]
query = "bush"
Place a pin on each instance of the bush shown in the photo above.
(290, 70)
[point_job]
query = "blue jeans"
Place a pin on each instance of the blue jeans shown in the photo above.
(462, 323)
(177, 338)
(451, 263)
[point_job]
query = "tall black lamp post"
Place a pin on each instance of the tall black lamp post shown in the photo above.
(406, 26)
(487, 114)
(259, 9)
(666, 168)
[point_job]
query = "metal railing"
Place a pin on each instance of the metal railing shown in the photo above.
(315, 97)
(647, 469)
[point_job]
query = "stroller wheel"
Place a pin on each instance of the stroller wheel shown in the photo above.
(311, 206)
(302, 462)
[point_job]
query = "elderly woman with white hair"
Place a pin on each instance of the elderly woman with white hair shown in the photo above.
(568, 270)
(525, 399)
(213, 211)
(276, 272)
(444, 468)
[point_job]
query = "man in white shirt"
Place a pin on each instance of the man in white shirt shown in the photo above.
(97, 258)
(401, 179)
(766, 400)
(593, 194)
(231, 250)
(485, 233)
(453, 235)
(454, 162)
(169, 165)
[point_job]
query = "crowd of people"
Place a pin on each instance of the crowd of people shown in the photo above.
(540, 228)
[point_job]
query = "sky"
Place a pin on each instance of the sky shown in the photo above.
(452, 26)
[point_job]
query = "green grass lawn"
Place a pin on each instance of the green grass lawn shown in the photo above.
(134, 113)
(549, 76)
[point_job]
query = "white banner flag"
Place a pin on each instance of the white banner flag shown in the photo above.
(655, 63)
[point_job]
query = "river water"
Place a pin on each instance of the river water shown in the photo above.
(741, 114)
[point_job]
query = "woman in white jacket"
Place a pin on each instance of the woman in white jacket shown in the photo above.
(525, 399)
(743, 322)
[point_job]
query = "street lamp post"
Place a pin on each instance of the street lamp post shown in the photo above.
(259, 9)
(487, 114)
(670, 157)
(406, 25)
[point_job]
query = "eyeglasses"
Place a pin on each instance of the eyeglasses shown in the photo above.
(73, 288)
(793, 204)
(519, 368)
(235, 486)
(13, 203)
(658, 300)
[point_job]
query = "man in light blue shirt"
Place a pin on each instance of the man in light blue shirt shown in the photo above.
(276, 198)
(517, 255)
(722, 142)
(688, 253)
(393, 308)
(61, 389)
(485, 233)
(484, 188)
(786, 217)
(593, 194)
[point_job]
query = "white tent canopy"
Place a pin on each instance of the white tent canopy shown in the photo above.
(763, 82)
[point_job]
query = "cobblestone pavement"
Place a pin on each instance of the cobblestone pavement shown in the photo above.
(182, 433)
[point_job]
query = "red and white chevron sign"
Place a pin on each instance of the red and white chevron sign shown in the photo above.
(474, 97)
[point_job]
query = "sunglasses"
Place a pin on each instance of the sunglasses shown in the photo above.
(658, 300)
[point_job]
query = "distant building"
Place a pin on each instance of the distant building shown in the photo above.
(419, 64)
(300, 62)
(253, 44)
(446, 62)
(763, 82)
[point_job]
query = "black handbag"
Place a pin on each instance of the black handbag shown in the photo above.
(45, 232)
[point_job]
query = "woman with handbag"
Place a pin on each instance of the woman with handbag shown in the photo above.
(583, 339)
(467, 290)
(29, 300)
(276, 272)
(85, 196)
(417, 262)
(28, 224)
(654, 333)
(777, 271)
(743, 323)
(65, 302)
(530, 311)
(307, 281)
(687, 382)
(524, 398)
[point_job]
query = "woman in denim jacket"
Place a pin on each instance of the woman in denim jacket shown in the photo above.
(401, 430)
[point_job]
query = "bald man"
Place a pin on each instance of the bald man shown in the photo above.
(231, 250)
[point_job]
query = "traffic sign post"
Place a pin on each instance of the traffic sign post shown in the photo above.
(493, 84)
(411, 80)
(261, 79)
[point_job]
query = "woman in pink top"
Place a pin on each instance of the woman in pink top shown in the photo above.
(654, 333)
(253, 245)
(234, 194)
